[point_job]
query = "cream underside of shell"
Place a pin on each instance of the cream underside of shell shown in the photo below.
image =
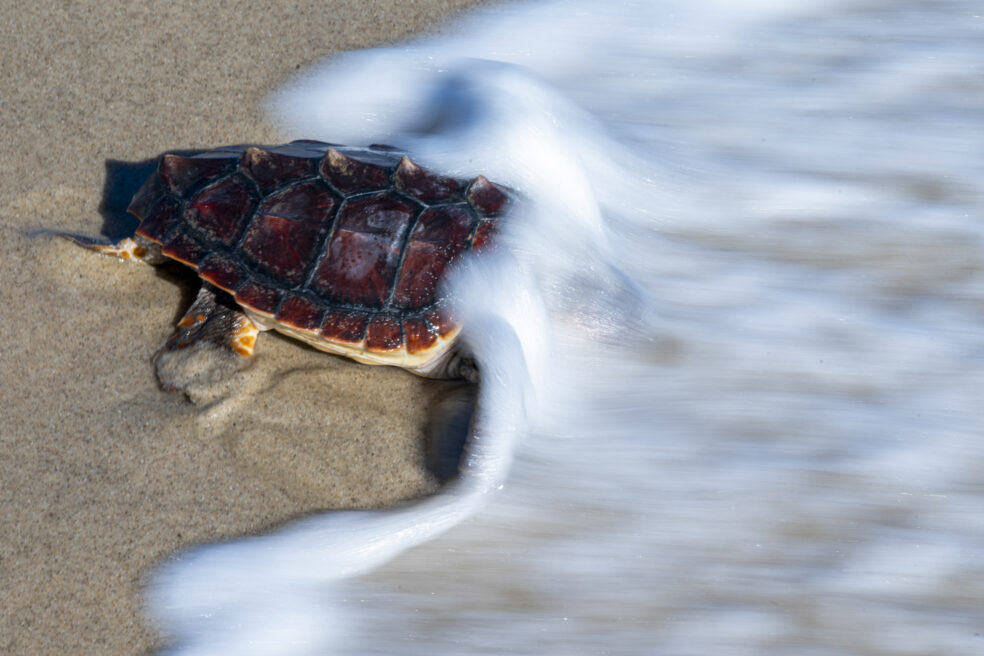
(423, 362)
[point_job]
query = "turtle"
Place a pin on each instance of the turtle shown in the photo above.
(344, 248)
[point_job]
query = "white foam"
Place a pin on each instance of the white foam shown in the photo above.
(732, 354)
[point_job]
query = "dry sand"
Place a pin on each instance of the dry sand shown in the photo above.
(102, 474)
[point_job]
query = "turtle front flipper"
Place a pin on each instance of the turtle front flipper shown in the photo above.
(129, 248)
(214, 317)
(210, 343)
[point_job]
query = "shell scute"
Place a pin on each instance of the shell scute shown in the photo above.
(422, 184)
(487, 197)
(150, 193)
(484, 238)
(159, 219)
(270, 170)
(260, 297)
(385, 215)
(384, 334)
(364, 251)
(350, 175)
(442, 321)
(301, 313)
(183, 174)
(419, 334)
(183, 248)
(440, 235)
(358, 269)
(342, 326)
(222, 271)
(285, 232)
(221, 210)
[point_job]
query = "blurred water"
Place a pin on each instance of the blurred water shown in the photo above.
(736, 343)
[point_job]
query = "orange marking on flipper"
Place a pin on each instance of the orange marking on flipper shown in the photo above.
(125, 249)
(244, 338)
(242, 347)
(185, 321)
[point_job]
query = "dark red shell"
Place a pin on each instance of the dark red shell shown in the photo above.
(348, 243)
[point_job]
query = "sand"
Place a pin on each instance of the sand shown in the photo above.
(103, 474)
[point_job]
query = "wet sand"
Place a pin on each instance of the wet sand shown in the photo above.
(102, 474)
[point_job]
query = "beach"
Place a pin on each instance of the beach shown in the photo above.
(102, 474)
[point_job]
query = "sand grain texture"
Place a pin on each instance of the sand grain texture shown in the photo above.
(101, 473)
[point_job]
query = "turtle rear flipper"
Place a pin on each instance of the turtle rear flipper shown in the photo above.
(129, 248)
(210, 344)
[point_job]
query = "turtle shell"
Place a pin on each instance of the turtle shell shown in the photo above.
(344, 248)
